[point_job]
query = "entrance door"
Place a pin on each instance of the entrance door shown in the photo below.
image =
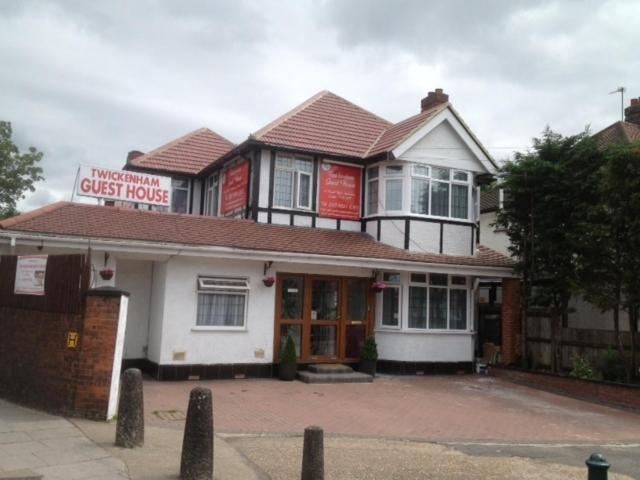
(327, 317)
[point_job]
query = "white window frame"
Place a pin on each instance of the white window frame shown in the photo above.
(370, 181)
(188, 190)
(212, 187)
(216, 285)
(296, 174)
(393, 177)
(390, 285)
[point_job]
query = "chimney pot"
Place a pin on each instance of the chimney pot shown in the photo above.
(632, 112)
(433, 98)
(133, 154)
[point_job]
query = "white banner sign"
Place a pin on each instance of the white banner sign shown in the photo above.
(122, 185)
(30, 272)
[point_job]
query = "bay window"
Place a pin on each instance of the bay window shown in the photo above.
(391, 300)
(393, 188)
(222, 302)
(292, 182)
(435, 302)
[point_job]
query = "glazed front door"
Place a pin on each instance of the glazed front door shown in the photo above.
(327, 317)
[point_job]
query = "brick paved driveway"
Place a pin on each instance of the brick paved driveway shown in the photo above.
(433, 408)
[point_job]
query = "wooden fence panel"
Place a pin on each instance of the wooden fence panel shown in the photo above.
(66, 281)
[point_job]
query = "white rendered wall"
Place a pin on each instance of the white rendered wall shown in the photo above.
(134, 276)
(425, 237)
(425, 347)
(392, 232)
(156, 310)
(350, 225)
(489, 237)
(456, 239)
(326, 223)
(265, 162)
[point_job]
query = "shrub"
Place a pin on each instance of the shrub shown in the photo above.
(288, 354)
(369, 350)
(581, 367)
(612, 366)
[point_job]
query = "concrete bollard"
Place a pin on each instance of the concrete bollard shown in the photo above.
(313, 454)
(130, 424)
(598, 466)
(197, 446)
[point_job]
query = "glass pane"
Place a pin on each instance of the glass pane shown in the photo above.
(440, 199)
(391, 277)
(179, 200)
(284, 162)
(458, 309)
(179, 183)
(394, 170)
(283, 188)
(419, 196)
(390, 306)
(417, 307)
(372, 198)
(220, 310)
(372, 173)
(441, 173)
(437, 308)
(304, 165)
(460, 176)
(292, 298)
(458, 280)
(421, 170)
(438, 279)
(419, 277)
(296, 333)
(355, 340)
(357, 291)
(393, 195)
(323, 340)
(324, 301)
(304, 193)
(459, 201)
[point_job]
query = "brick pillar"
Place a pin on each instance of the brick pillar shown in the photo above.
(100, 352)
(511, 321)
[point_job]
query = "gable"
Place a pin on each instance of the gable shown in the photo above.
(445, 141)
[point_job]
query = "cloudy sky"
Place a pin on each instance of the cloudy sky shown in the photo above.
(85, 82)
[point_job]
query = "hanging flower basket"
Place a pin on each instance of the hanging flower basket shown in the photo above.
(106, 273)
(378, 286)
(269, 281)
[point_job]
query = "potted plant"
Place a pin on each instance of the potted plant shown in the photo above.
(378, 286)
(269, 281)
(369, 357)
(106, 273)
(288, 361)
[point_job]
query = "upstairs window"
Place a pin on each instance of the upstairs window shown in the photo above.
(372, 191)
(393, 187)
(440, 192)
(211, 195)
(292, 182)
(179, 195)
(222, 302)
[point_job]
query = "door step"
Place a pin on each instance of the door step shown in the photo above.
(332, 373)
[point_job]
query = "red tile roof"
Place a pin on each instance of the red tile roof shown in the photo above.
(89, 221)
(396, 134)
(325, 123)
(188, 154)
(619, 133)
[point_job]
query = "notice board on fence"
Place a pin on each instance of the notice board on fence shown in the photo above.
(235, 188)
(30, 273)
(340, 191)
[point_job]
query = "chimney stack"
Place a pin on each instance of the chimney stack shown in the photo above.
(433, 99)
(632, 112)
(133, 154)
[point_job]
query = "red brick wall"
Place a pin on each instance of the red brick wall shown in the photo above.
(97, 347)
(511, 321)
(600, 392)
(38, 369)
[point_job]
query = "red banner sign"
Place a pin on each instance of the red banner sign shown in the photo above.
(235, 188)
(340, 190)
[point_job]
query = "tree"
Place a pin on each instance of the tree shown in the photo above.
(542, 215)
(18, 172)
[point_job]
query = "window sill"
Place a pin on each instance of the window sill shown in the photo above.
(425, 331)
(219, 329)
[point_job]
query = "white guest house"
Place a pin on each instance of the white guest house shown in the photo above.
(291, 232)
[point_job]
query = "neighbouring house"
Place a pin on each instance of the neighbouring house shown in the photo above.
(329, 224)
(582, 314)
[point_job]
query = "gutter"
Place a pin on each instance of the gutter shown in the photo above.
(127, 246)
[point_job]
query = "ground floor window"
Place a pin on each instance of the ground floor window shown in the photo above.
(222, 302)
(434, 301)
